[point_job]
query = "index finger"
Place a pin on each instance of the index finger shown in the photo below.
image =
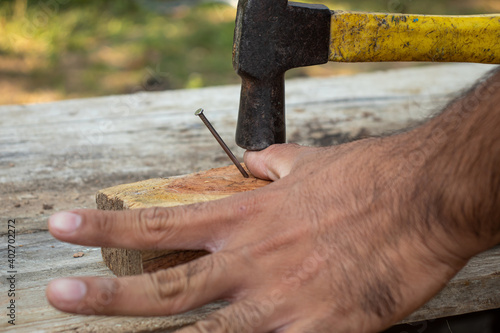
(192, 227)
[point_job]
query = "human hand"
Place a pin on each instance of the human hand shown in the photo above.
(337, 241)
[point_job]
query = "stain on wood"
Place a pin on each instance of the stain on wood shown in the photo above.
(168, 192)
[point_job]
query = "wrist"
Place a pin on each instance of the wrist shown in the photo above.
(424, 199)
(456, 172)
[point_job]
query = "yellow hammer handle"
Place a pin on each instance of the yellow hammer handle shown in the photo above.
(374, 37)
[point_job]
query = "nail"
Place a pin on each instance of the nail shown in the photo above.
(65, 222)
(68, 290)
(217, 137)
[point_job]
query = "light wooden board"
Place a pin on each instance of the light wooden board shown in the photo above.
(62, 153)
(197, 187)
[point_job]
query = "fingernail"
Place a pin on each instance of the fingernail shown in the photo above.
(68, 290)
(65, 222)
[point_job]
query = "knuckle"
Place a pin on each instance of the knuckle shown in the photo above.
(104, 224)
(277, 148)
(271, 150)
(156, 223)
(214, 323)
(166, 286)
(250, 317)
(246, 317)
(104, 300)
(282, 150)
(154, 219)
(175, 287)
(107, 295)
(243, 317)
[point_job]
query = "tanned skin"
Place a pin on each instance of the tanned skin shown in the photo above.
(350, 238)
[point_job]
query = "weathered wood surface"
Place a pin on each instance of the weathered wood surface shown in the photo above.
(61, 154)
(202, 186)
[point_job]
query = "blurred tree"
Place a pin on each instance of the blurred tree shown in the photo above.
(55, 49)
(20, 8)
(167, 6)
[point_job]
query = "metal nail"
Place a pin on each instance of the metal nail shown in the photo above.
(229, 153)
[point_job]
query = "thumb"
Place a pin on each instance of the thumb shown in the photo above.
(274, 162)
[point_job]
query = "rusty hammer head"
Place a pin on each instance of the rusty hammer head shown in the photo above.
(271, 37)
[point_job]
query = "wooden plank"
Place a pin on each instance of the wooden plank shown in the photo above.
(62, 153)
(168, 192)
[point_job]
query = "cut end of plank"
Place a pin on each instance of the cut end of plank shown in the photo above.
(168, 192)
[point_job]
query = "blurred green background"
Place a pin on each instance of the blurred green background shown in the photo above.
(58, 49)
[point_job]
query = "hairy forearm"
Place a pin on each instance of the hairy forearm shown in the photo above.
(462, 165)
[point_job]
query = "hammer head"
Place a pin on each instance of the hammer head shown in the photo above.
(271, 37)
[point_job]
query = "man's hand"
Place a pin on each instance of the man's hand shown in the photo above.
(326, 244)
(353, 237)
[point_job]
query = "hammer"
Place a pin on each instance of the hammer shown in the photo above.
(273, 36)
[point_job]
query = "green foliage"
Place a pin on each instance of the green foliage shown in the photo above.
(115, 46)
(98, 47)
